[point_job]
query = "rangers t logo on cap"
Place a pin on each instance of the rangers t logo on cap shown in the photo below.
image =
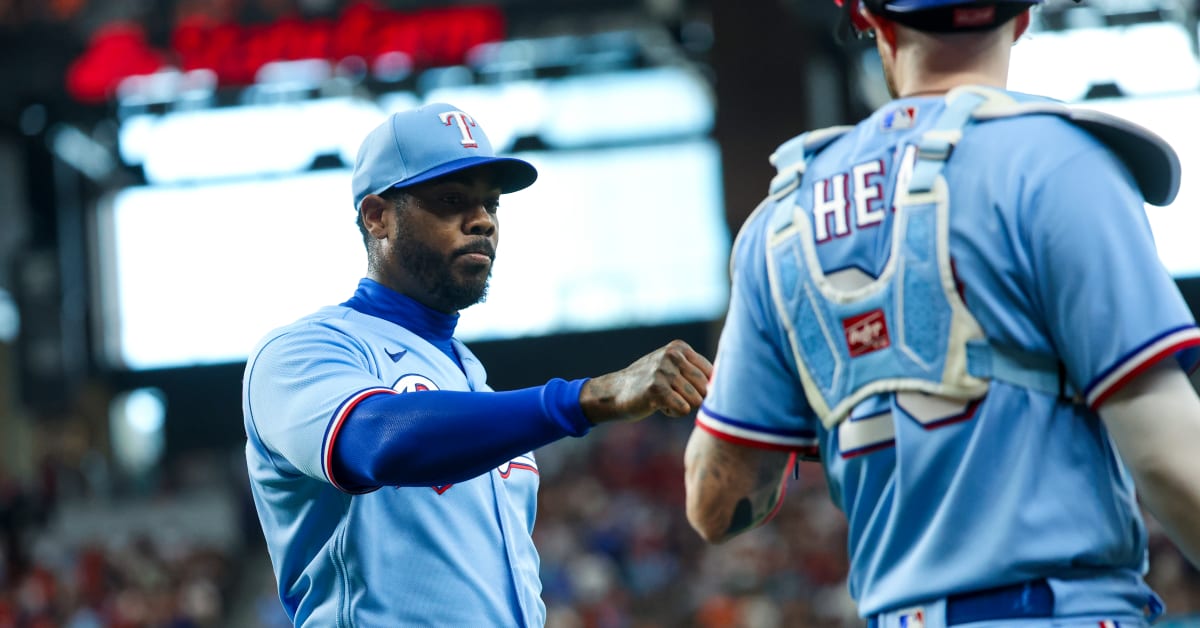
(464, 122)
(414, 146)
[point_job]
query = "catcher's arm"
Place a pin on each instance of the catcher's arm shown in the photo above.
(731, 488)
(1155, 422)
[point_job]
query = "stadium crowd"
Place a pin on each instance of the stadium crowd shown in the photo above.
(616, 552)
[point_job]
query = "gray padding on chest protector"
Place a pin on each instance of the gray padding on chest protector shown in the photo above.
(1150, 159)
(792, 157)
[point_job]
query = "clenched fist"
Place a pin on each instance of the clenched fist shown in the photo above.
(672, 380)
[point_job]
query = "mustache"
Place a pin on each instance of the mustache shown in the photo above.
(482, 246)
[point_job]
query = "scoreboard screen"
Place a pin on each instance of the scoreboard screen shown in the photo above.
(245, 220)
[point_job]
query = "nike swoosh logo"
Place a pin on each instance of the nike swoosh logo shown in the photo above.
(397, 355)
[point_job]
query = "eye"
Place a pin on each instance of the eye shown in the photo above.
(492, 205)
(452, 199)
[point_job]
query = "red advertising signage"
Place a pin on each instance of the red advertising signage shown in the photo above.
(235, 52)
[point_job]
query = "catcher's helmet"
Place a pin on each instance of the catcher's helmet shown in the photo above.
(937, 15)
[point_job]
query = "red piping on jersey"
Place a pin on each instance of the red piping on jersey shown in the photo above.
(518, 465)
(791, 462)
(967, 414)
(337, 427)
(869, 449)
(737, 440)
(1141, 368)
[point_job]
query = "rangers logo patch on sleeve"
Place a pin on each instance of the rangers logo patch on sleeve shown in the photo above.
(414, 383)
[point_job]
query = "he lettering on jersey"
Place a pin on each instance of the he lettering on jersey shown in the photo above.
(857, 193)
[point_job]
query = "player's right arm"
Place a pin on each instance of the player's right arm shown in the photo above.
(443, 437)
(755, 418)
(313, 401)
(1155, 422)
(732, 488)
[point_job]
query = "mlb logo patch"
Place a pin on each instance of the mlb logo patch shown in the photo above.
(866, 333)
(900, 118)
(913, 619)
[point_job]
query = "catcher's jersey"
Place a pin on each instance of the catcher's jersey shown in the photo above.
(1053, 255)
(456, 555)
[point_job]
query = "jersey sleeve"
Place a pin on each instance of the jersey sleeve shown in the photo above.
(1111, 308)
(300, 387)
(755, 397)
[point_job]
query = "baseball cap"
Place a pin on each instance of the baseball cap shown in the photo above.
(428, 142)
(940, 16)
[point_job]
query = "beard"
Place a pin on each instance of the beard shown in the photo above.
(436, 275)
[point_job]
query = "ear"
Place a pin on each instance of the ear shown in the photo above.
(1023, 20)
(885, 29)
(374, 211)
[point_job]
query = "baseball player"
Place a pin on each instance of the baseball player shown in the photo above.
(956, 306)
(394, 487)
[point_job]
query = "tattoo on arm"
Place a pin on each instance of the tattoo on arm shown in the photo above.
(755, 508)
(743, 516)
(731, 488)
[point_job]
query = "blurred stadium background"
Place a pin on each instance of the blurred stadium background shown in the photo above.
(173, 183)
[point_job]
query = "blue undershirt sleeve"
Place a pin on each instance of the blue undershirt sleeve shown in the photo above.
(438, 437)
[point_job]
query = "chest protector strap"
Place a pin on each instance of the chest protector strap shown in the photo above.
(908, 329)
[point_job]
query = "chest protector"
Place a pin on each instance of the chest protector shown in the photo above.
(908, 329)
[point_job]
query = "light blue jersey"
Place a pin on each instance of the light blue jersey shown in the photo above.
(1052, 255)
(455, 555)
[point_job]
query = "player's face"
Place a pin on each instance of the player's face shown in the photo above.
(444, 240)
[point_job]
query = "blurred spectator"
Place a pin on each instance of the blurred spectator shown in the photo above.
(616, 553)
(112, 581)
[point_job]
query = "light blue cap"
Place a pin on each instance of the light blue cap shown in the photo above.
(427, 142)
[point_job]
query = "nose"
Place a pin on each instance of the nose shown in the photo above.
(479, 221)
